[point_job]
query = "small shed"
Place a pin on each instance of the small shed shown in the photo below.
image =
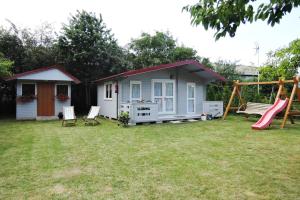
(42, 93)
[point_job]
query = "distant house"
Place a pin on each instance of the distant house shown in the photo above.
(168, 91)
(42, 93)
(247, 72)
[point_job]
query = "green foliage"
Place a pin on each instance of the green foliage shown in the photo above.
(5, 66)
(282, 63)
(124, 119)
(226, 16)
(160, 48)
(219, 91)
(89, 48)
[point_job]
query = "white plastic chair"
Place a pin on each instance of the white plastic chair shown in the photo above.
(69, 115)
(92, 116)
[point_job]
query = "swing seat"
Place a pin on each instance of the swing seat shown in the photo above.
(254, 108)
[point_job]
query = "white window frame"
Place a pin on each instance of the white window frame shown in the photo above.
(164, 81)
(135, 99)
(69, 88)
(33, 83)
(104, 90)
(187, 97)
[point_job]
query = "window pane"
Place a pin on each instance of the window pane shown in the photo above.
(135, 91)
(159, 102)
(191, 106)
(106, 91)
(191, 91)
(62, 90)
(169, 104)
(110, 90)
(169, 89)
(28, 89)
(157, 89)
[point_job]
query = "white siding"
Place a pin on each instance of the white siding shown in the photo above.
(25, 110)
(183, 77)
(29, 110)
(60, 104)
(49, 75)
(108, 107)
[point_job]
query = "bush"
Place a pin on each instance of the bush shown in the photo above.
(124, 119)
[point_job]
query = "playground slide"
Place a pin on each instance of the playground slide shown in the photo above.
(267, 118)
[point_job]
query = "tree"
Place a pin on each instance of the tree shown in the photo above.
(226, 16)
(160, 48)
(5, 66)
(282, 63)
(89, 50)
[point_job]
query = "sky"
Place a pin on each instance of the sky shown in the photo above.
(128, 19)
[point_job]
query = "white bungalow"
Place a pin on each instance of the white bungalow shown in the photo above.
(159, 93)
(42, 93)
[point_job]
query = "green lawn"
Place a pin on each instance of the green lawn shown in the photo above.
(201, 160)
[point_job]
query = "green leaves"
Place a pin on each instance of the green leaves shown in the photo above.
(282, 63)
(87, 44)
(5, 66)
(149, 50)
(226, 16)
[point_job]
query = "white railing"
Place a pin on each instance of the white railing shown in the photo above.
(141, 112)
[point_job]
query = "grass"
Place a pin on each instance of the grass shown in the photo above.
(201, 160)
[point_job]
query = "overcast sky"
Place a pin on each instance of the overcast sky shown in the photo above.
(128, 19)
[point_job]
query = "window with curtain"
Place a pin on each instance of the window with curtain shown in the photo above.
(135, 88)
(108, 91)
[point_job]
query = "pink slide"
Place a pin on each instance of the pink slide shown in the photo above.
(267, 118)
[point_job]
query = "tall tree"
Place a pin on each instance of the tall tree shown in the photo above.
(226, 16)
(283, 63)
(5, 66)
(160, 48)
(89, 49)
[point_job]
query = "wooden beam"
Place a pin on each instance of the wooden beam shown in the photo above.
(230, 100)
(287, 112)
(263, 83)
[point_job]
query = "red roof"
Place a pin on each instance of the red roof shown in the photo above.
(163, 66)
(41, 69)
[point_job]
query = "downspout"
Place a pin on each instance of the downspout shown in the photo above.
(117, 84)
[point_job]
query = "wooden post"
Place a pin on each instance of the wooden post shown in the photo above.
(280, 88)
(231, 99)
(287, 112)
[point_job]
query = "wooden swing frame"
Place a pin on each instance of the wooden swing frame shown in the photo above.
(280, 94)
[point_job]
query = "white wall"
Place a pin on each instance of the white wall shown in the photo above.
(49, 75)
(108, 107)
(25, 110)
(29, 110)
(60, 104)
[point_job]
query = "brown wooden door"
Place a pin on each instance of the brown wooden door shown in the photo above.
(45, 99)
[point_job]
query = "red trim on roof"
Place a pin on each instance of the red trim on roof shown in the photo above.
(160, 67)
(41, 69)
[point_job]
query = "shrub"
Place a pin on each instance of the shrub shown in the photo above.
(124, 119)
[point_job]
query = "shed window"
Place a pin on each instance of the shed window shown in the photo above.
(62, 90)
(108, 91)
(135, 88)
(28, 89)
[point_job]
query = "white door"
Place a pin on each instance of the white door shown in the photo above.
(163, 93)
(191, 99)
